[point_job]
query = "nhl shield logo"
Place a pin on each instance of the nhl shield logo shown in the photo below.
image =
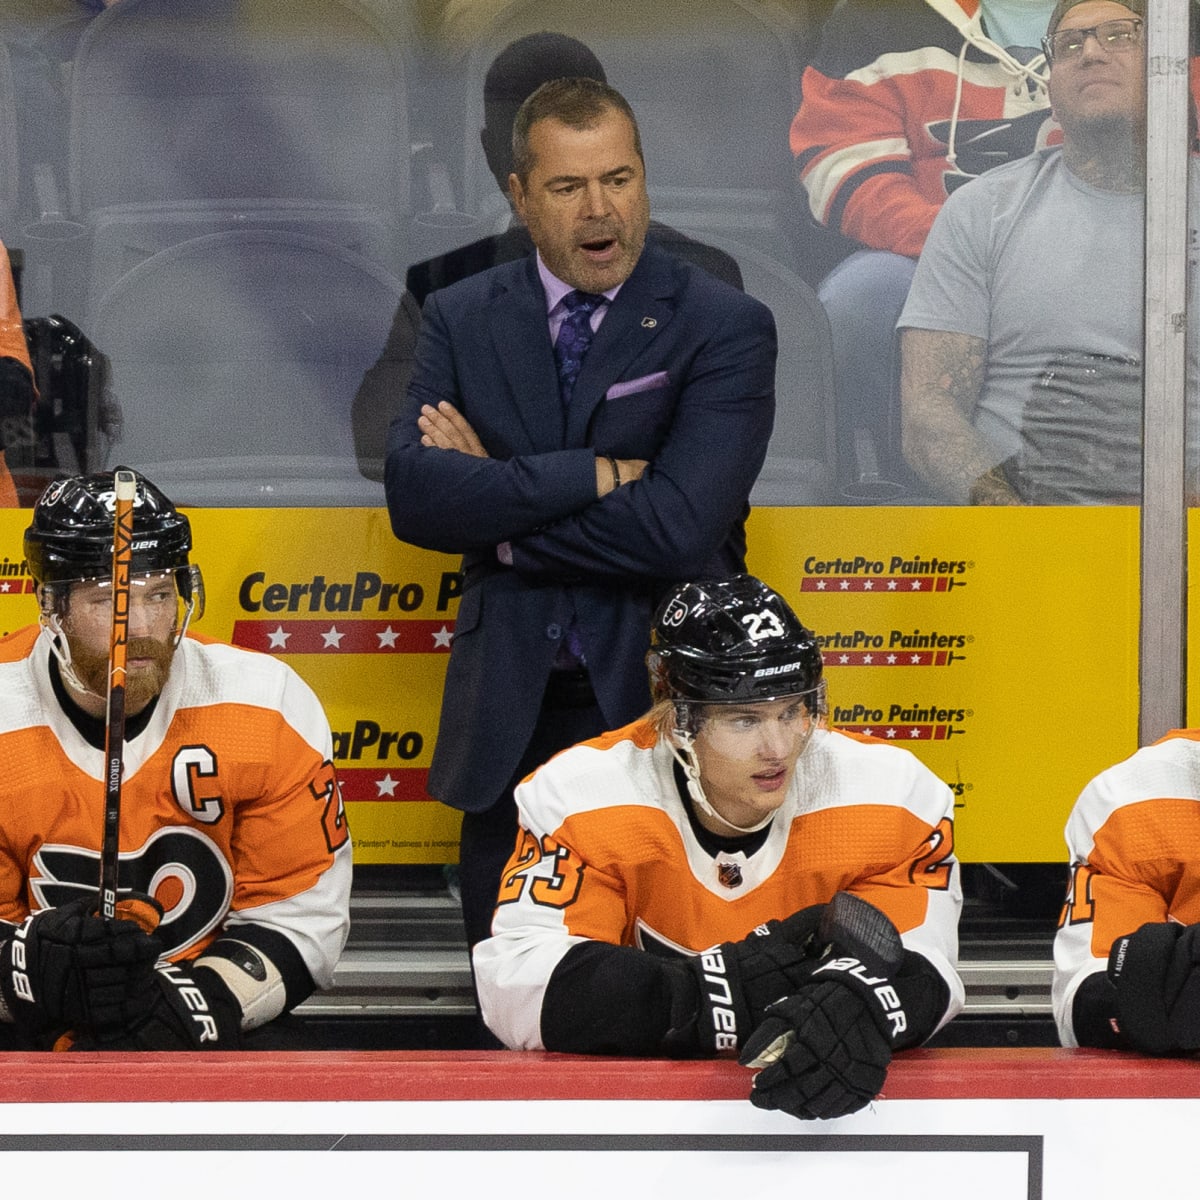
(729, 874)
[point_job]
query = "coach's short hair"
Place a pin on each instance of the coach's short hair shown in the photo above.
(577, 102)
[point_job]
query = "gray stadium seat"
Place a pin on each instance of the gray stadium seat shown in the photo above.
(234, 359)
(189, 116)
(801, 461)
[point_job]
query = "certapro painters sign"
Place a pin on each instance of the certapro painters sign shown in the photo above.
(999, 645)
(365, 620)
(917, 718)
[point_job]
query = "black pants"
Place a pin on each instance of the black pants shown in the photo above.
(569, 714)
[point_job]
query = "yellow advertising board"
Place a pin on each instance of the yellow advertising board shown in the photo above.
(999, 645)
(364, 619)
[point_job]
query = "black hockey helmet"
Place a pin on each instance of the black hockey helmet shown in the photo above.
(731, 641)
(71, 536)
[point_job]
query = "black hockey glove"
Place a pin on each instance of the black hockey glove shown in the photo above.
(736, 981)
(824, 1051)
(1156, 974)
(187, 1008)
(67, 967)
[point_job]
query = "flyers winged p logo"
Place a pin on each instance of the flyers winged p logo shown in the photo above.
(675, 613)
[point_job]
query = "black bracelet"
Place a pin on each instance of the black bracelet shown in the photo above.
(612, 462)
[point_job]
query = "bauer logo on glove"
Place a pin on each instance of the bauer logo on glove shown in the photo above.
(720, 1000)
(884, 992)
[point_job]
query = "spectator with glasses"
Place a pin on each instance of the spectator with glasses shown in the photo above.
(1021, 340)
(1117, 36)
(904, 103)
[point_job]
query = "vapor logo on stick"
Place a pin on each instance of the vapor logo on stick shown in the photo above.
(125, 489)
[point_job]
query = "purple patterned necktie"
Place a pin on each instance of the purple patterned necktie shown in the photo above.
(574, 339)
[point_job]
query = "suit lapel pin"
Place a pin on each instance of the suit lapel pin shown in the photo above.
(648, 322)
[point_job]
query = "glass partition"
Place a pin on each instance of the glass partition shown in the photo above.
(223, 211)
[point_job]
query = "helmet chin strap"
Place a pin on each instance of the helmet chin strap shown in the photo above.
(683, 748)
(60, 646)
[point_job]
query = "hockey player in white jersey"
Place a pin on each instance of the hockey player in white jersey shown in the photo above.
(727, 875)
(1127, 951)
(231, 821)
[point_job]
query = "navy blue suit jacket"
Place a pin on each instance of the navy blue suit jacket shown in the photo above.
(695, 360)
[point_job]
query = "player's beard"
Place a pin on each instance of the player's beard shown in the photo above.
(142, 683)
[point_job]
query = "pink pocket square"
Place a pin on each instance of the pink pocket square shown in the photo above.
(630, 387)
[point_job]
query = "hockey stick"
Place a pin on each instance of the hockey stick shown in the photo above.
(125, 488)
(852, 925)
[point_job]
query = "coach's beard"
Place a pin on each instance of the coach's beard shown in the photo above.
(143, 681)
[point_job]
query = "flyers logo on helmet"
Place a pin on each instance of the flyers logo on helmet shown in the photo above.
(675, 613)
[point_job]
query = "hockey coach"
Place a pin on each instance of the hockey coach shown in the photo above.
(234, 855)
(584, 426)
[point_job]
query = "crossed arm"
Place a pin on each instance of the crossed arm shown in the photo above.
(941, 379)
(467, 486)
(445, 428)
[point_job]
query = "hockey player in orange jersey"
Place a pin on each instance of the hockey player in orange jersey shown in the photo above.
(679, 886)
(231, 825)
(1127, 951)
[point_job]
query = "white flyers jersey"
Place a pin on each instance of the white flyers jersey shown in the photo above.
(230, 807)
(1134, 843)
(605, 851)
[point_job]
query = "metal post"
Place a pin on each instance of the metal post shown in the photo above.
(1163, 634)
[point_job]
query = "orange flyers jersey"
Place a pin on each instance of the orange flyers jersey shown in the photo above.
(606, 852)
(12, 333)
(1134, 841)
(230, 809)
(904, 102)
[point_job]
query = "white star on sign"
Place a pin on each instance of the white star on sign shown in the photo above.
(845, 658)
(387, 638)
(868, 585)
(845, 585)
(915, 658)
(868, 731)
(916, 585)
(5, 586)
(442, 637)
(333, 638)
(891, 733)
(891, 585)
(914, 733)
(820, 585)
(278, 638)
(868, 659)
(891, 658)
(386, 785)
